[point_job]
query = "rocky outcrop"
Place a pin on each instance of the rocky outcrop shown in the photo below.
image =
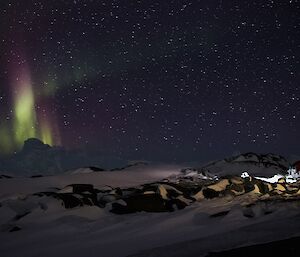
(163, 196)
(37, 158)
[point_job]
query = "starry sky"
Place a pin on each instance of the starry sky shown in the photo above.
(155, 80)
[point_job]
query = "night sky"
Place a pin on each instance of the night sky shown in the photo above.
(155, 80)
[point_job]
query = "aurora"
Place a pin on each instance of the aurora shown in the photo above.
(24, 123)
(27, 119)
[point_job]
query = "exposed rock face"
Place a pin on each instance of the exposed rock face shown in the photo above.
(74, 195)
(163, 196)
(35, 158)
(34, 144)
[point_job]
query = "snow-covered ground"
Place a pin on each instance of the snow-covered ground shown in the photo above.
(131, 177)
(33, 226)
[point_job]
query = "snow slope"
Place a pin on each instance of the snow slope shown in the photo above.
(36, 225)
(130, 177)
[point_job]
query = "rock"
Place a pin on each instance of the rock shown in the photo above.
(34, 144)
(237, 189)
(219, 214)
(4, 176)
(96, 169)
(80, 188)
(262, 186)
(14, 229)
(69, 200)
(36, 176)
(297, 166)
(210, 193)
(21, 215)
(199, 196)
(280, 187)
(220, 185)
(143, 202)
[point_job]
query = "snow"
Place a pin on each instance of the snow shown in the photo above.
(50, 230)
(273, 179)
(291, 177)
(90, 231)
(124, 178)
